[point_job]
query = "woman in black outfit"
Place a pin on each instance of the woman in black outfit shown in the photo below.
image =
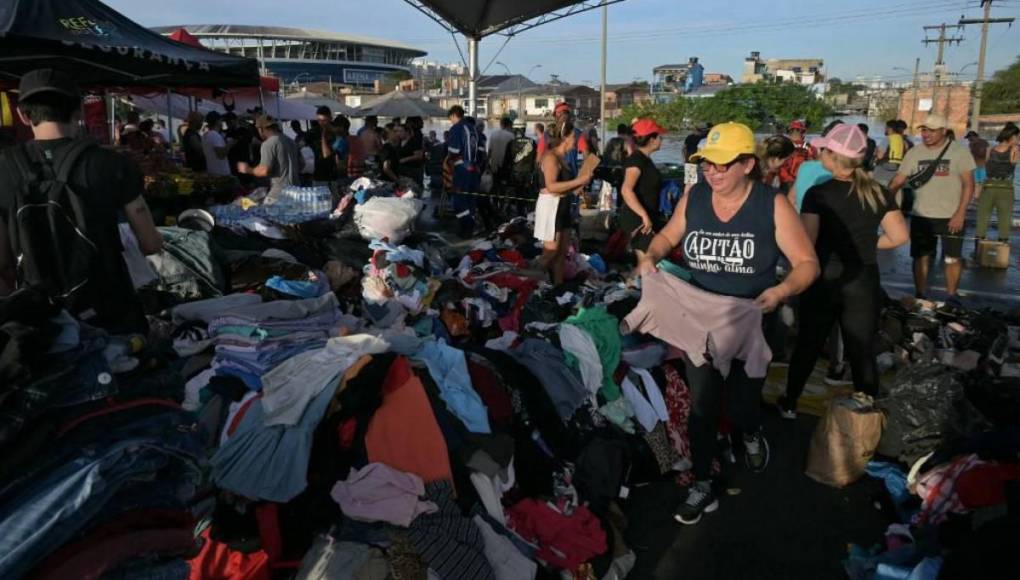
(843, 216)
(640, 217)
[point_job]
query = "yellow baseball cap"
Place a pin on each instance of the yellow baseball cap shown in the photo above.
(726, 142)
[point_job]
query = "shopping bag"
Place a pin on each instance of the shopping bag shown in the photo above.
(844, 440)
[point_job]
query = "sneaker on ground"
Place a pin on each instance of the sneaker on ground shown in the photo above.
(756, 452)
(838, 376)
(700, 500)
(954, 301)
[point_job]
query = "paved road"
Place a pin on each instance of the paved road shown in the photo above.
(980, 287)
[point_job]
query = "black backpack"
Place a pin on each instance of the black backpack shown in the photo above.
(47, 226)
(521, 156)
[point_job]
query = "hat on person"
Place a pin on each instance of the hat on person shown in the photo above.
(265, 122)
(934, 121)
(797, 125)
(844, 139)
(560, 107)
(47, 80)
(725, 143)
(643, 127)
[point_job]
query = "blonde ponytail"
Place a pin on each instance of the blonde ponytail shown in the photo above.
(869, 192)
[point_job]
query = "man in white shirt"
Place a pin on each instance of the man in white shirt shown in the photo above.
(214, 146)
(498, 142)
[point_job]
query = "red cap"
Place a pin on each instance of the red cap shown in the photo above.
(797, 126)
(561, 106)
(642, 127)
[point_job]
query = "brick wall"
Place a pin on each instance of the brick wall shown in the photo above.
(953, 102)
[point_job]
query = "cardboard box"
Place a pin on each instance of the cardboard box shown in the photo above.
(989, 254)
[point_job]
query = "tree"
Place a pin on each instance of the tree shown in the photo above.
(1001, 94)
(759, 106)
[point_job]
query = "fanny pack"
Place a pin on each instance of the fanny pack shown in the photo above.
(922, 177)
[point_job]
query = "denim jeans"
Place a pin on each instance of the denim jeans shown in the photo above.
(57, 503)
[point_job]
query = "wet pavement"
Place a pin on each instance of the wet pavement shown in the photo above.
(979, 287)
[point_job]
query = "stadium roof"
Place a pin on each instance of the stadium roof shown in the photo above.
(283, 33)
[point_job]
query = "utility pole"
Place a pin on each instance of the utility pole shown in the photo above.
(940, 64)
(913, 101)
(980, 82)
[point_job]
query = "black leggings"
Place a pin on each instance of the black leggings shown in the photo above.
(853, 302)
(708, 387)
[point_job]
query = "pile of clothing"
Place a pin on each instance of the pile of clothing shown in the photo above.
(949, 455)
(102, 467)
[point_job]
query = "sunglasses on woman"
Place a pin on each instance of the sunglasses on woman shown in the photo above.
(706, 166)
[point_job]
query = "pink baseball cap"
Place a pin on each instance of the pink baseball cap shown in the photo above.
(845, 139)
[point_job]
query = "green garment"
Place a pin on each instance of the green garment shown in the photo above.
(604, 330)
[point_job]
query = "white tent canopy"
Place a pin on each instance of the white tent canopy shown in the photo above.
(282, 109)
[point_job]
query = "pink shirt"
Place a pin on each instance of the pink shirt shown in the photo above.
(707, 326)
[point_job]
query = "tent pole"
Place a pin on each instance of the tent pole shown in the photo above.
(169, 120)
(473, 76)
(111, 116)
(602, 107)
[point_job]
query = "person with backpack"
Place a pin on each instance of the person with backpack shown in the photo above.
(60, 198)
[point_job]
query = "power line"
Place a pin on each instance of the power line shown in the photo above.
(979, 85)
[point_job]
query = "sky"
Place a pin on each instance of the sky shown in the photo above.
(872, 38)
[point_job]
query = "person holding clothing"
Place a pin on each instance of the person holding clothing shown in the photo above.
(733, 229)
(553, 218)
(998, 188)
(640, 217)
(279, 158)
(942, 175)
(842, 217)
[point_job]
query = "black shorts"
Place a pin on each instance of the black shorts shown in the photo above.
(564, 214)
(926, 233)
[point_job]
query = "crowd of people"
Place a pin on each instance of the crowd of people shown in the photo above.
(816, 210)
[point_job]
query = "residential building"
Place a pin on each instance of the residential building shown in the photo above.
(713, 79)
(672, 80)
(540, 100)
(706, 91)
(620, 96)
(803, 71)
(455, 91)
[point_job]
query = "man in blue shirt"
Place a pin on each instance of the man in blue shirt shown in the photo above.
(462, 154)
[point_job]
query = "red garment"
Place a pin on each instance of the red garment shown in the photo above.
(476, 256)
(788, 170)
(104, 547)
(523, 286)
(513, 257)
(564, 542)
(495, 397)
(403, 433)
(985, 485)
(217, 561)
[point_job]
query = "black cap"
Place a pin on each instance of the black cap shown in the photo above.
(47, 80)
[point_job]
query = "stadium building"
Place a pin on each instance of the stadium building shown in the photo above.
(306, 56)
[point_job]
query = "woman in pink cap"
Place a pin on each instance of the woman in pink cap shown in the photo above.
(842, 217)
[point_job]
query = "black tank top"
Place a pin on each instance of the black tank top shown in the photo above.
(736, 258)
(563, 175)
(999, 166)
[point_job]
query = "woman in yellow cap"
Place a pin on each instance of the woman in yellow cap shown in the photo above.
(734, 229)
